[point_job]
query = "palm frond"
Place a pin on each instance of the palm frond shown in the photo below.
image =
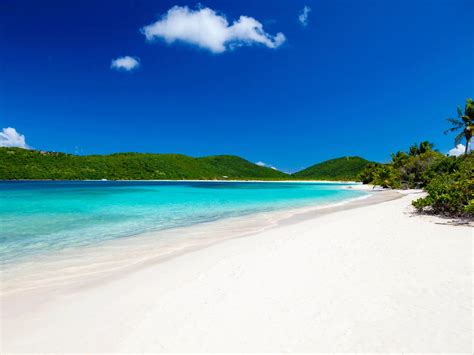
(458, 138)
(455, 122)
(460, 112)
(453, 129)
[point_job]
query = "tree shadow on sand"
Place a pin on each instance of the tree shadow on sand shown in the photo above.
(444, 220)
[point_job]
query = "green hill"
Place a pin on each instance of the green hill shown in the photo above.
(344, 169)
(16, 163)
(230, 165)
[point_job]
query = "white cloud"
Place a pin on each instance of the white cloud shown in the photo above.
(126, 63)
(459, 150)
(9, 137)
(261, 163)
(206, 29)
(303, 16)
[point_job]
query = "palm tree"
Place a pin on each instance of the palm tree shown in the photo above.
(465, 122)
(416, 149)
(426, 147)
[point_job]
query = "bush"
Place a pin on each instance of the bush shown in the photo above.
(406, 170)
(446, 165)
(449, 181)
(412, 171)
(451, 193)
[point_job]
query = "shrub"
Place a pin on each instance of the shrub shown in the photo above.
(452, 192)
(406, 170)
(445, 165)
(413, 169)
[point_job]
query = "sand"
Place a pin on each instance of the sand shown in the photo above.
(375, 278)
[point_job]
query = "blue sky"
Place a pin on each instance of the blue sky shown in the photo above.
(360, 78)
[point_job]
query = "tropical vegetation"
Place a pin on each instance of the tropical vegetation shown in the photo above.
(406, 170)
(465, 123)
(450, 188)
(447, 180)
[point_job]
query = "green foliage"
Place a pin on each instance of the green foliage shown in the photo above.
(464, 123)
(399, 159)
(451, 191)
(367, 176)
(238, 168)
(412, 171)
(449, 181)
(406, 170)
(423, 147)
(441, 166)
(343, 169)
(16, 163)
(386, 176)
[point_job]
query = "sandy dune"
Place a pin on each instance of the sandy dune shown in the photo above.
(369, 279)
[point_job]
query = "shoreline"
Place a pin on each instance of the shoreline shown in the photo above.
(197, 180)
(360, 279)
(149, 248)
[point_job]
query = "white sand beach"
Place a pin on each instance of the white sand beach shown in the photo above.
(375, 278)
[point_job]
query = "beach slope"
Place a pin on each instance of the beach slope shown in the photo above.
(370, 279)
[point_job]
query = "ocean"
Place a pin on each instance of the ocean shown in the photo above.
(44, 219)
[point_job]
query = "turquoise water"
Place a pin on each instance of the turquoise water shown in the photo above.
(40, 218)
